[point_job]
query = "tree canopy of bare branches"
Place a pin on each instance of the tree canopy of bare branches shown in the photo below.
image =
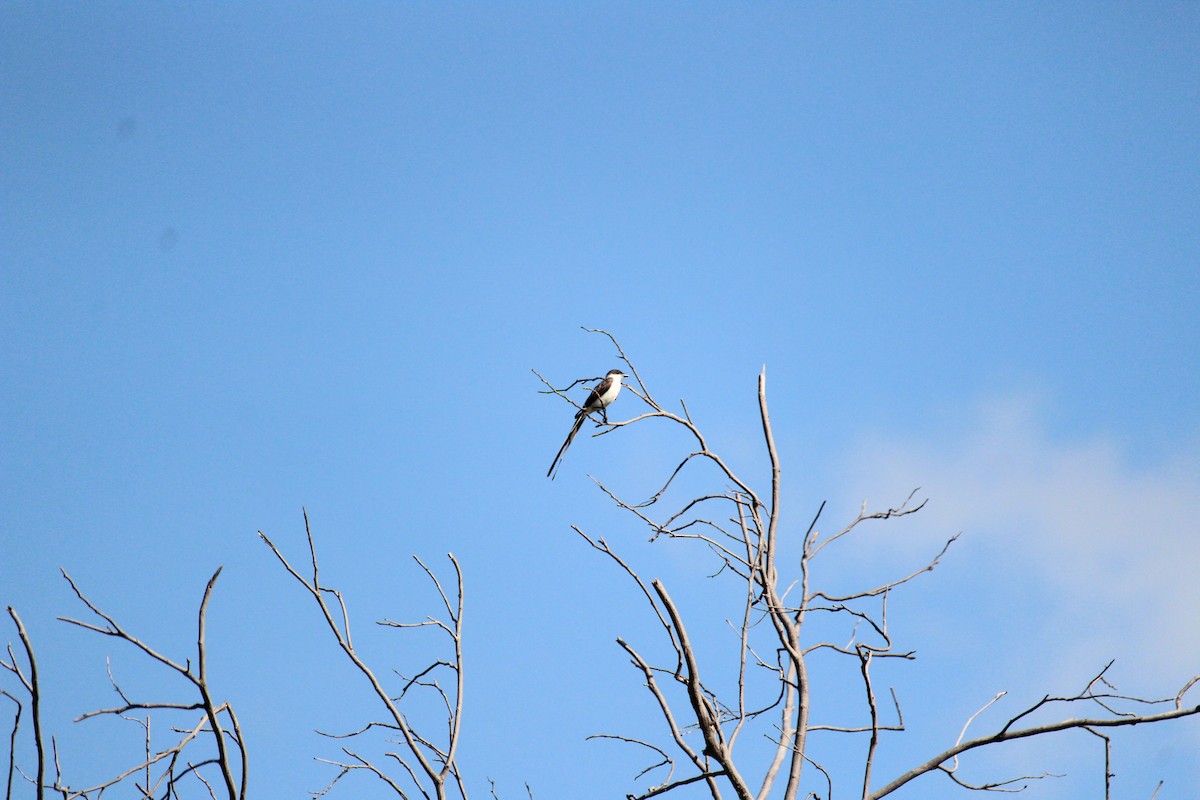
(209, 748)
(706, 715)
(735, 725)
(426, 765)
(222, 767)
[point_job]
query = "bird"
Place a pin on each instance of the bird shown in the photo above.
(601, 397)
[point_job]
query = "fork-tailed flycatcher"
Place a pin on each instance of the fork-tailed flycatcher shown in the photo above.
(601, 398)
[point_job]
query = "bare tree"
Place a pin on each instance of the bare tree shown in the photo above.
(711, 709)
(769, 690)
(427, 766)
(156, 770)
(210, 747)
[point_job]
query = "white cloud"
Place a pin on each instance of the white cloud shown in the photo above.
(1114, 547)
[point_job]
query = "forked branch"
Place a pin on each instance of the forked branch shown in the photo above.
(1010, 732)
(768, 618)
(430, 767)
(32, 686)
(218, 720)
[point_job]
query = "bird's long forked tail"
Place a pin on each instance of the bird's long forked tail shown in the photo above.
(579, 418)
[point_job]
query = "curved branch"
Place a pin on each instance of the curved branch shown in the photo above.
(1022, 733)
(35, 695)
(706, 715)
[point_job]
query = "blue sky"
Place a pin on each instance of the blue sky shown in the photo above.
(256, 257)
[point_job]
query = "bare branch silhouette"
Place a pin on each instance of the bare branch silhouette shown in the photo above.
(32, 686)
(218, 720)
(739, 526)
(429, 766)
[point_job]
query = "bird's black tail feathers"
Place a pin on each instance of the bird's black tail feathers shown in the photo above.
(579, 418)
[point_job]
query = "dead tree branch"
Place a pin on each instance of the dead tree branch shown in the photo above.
(740, 527)
(32, 686)
(1008, 733)
(214, 716)
(430, 767)
(12, 745)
